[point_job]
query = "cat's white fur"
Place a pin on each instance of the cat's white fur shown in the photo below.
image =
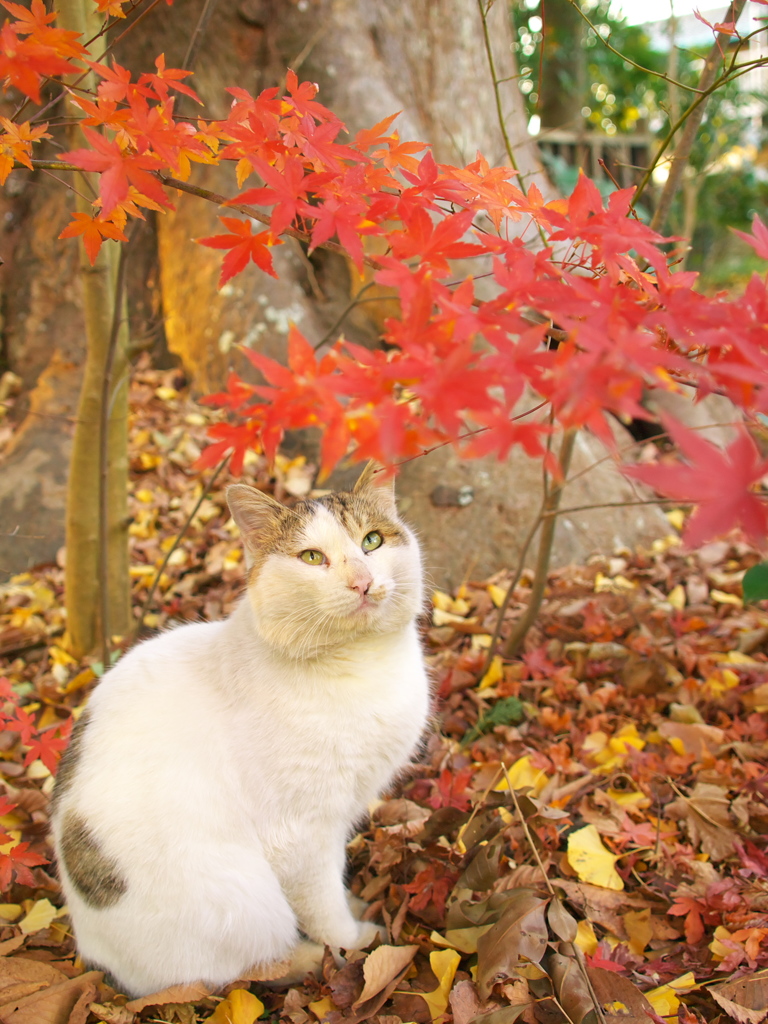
(224, 764)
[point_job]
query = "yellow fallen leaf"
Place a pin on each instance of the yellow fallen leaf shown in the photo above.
(676, 597)
(586, 939)
(721, 597)
(321, 1007)
(79, 681)
(497, 594)
(463, 939)
(165, 394)
(9, 911)
(523, 775)
(493, 675)
(628, 797)
(615, 751)
(676, 518)
(39, 917)
(664, 999)
(480, 641)
(144, 495)
(443, 963)
(441, 618)
(240, 1007)
(591, 861)
(719, 950)
(737, 658)
(441, 600)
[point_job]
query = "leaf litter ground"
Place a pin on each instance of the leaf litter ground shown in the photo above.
(583, 840)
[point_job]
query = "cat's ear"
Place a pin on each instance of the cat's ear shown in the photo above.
(255, 513)
(373, 478)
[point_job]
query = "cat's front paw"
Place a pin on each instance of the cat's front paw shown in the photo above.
(368, 933)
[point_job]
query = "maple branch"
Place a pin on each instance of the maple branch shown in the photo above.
(546, 539)
(177, 540)
(646, 71)
(496, 93)
(691, 120)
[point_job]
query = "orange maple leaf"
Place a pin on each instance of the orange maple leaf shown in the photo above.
(16, 144)
(94, 231)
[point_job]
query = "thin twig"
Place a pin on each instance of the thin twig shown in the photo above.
(197, 36)
(546, 538)
(527, 831)
(178, 539)
(496, 93)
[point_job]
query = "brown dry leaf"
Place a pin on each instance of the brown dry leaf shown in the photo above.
(464, 1002)
(192, 993)
(561, 921)
(697, 738)
(81, 1010)
(621, 1000)
(112, 1014)
(570, 986)
(20, 977)
(706, 817)
(605, 907)
(53, 1004)
(381, 966)
(519, 935)
(11, 945)
(746, 999)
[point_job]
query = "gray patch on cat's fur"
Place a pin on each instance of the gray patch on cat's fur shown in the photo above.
(361, 512)
(93, 874)
(70, 759)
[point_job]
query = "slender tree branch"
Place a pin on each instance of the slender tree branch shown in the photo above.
(546, 539)
(197, 36)
(496, 93)
(178, 539)
(624, 57)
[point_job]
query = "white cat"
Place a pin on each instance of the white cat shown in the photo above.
(202, 810)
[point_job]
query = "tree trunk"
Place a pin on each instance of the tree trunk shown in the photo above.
(92, 614)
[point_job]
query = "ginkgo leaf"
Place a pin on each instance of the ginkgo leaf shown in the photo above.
(591, 861)
(444, 963)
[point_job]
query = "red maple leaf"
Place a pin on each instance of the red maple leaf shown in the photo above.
(719, 482)
(286, 189)
(49, 745)
(168, 78)
(434, 244)
(692, 909)
(758, 239)
(17, 861)
(432, 885)
(451, 789)
(243, 246)
(118, 170)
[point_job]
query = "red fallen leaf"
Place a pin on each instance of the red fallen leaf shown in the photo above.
(719, 507)
(49, 745)
(452, 789)
(431, 885)
(16, 862)
(692, 909)
(244, 246)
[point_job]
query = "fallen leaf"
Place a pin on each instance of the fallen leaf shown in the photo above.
(745, 999)
(665, 998)
(192, 993)
(381, 966)
(39, 917)
(321, 1008)
(520, 935)
(53, 1004)
(611, 989)
(443, 963)
(591, 861)
(706, 817)
(21, 977)
(110, 1013)
(240, 1007)
(570, 986)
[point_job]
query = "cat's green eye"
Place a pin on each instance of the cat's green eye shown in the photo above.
(312, 557)
(372, 540)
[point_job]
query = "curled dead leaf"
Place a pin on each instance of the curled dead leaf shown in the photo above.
(519, 936)
(175, 994)
(745, 999)
(381, 966)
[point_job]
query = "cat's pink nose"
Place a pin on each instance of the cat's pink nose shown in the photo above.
(362, 584)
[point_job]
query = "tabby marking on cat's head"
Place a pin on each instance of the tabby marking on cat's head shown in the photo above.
(329, 570)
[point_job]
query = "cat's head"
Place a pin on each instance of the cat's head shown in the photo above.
(328, 570)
